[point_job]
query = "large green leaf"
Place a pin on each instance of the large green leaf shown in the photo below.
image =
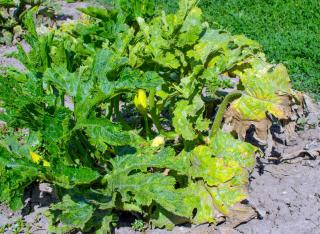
(211, 42)
(55, 127)
(166, 158)
(131, 179)
(182, 115)
(71, 176)
(130, 80)
(191, 28)
(69, 214)
(105, 62)
(16, 173)
(155, 47)
(155, 187)
(22, 97)
(102, 132)
(63, 80)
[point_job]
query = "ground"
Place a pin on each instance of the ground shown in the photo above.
(287, 195)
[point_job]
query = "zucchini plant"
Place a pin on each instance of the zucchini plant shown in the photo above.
(122, 112)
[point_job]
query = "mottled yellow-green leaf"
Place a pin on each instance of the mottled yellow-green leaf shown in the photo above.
(225, 146)
(191, 28)
(205, 209)
(202, 124)
(182, 114)
(185, 6)
(263, 92)
(225, 196)
(213, 170)
(212, 41)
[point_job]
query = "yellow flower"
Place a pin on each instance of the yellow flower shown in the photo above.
(36, 158)
(46, 163)
(158, 141)
(140, 101)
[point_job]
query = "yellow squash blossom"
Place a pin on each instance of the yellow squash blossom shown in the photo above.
(140, 101)
(36, 158)
(158, 141)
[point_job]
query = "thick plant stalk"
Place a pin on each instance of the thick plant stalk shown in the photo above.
(155, 117)
(223, 106)
(116, 107)
(153, 111)
(146, 125)
(110, 110)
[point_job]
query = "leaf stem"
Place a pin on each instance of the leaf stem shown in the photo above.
(146, 125)
(153, 111)
(223, 106)
(116, 103)
(116, 108)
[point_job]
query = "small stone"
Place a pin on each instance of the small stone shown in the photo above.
(227, 230)
(3, 220)
(45, 187)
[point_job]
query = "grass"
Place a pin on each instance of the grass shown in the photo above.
(288, 30)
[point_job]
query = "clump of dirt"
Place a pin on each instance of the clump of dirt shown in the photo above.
(287, 195)
(65, 11)
(5, 61)
(31, 218)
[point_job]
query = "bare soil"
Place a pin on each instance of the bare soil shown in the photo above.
(287, 195)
